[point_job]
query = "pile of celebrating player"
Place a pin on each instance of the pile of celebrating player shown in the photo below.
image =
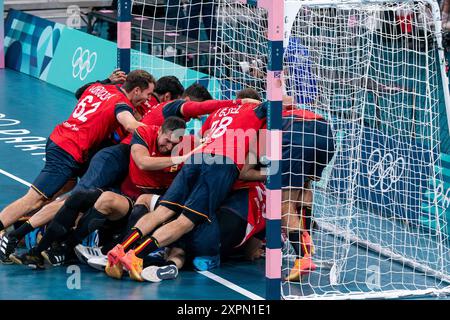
(161, 198)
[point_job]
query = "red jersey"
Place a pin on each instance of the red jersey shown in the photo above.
(157, 113)
(256, 209)
(155, 179)
(148, 104)
(93, 120)
(301, 114)
(232, 132)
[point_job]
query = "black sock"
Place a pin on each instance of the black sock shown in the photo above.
(1, 226)
(111, 244)
(294, 239)
(170, 262)
(89, 222)
(307, 218)
(146, 246)
(22, 231)
(139, 210)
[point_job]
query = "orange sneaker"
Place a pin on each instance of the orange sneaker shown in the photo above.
(114, 267)
(307, 241)
(301, 267)
(133, 264)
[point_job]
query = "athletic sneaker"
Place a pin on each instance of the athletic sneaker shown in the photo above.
(205, 263)
(157, 274)
(133, 264)
(114, 267)
(31, 259)
(8, 245)
(98, 263)
(85, 253)
(302, 266)
(57, 255)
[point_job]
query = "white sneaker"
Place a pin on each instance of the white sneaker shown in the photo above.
(98, 263)
(157, 274)
(85, 253)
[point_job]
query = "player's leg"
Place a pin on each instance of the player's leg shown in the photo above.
(59, 168)
(96, 257)
(107, 168)
(211, 188)
(232, 217)
(174, 199)
(31, 201)
(109, 211)
(9, 241)
(294, 224)
(60, 226)
(45, 214)
(297, 164)
(144, 204)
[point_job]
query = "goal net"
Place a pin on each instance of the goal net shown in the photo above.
(372, 71)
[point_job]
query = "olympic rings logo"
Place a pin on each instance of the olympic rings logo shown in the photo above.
(83, 62)
(384, 170)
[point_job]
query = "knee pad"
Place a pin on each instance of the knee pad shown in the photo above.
(82, 200)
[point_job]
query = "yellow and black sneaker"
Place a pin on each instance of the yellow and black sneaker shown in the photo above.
(32, 259)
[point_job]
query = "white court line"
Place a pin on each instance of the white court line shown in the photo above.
(15, 178)
(207, 274)
(230, 285)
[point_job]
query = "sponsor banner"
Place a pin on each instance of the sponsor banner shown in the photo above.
(55, 53)
(81, 58)
(393, 174)
(30, 43)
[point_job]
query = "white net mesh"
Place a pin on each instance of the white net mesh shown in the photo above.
(373, 72)
(217, 43)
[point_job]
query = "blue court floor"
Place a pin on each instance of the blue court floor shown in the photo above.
(29, 109)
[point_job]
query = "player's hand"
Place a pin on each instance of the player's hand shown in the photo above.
(118, 76)
(288, 102)
(249, 100)
(178, 160)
